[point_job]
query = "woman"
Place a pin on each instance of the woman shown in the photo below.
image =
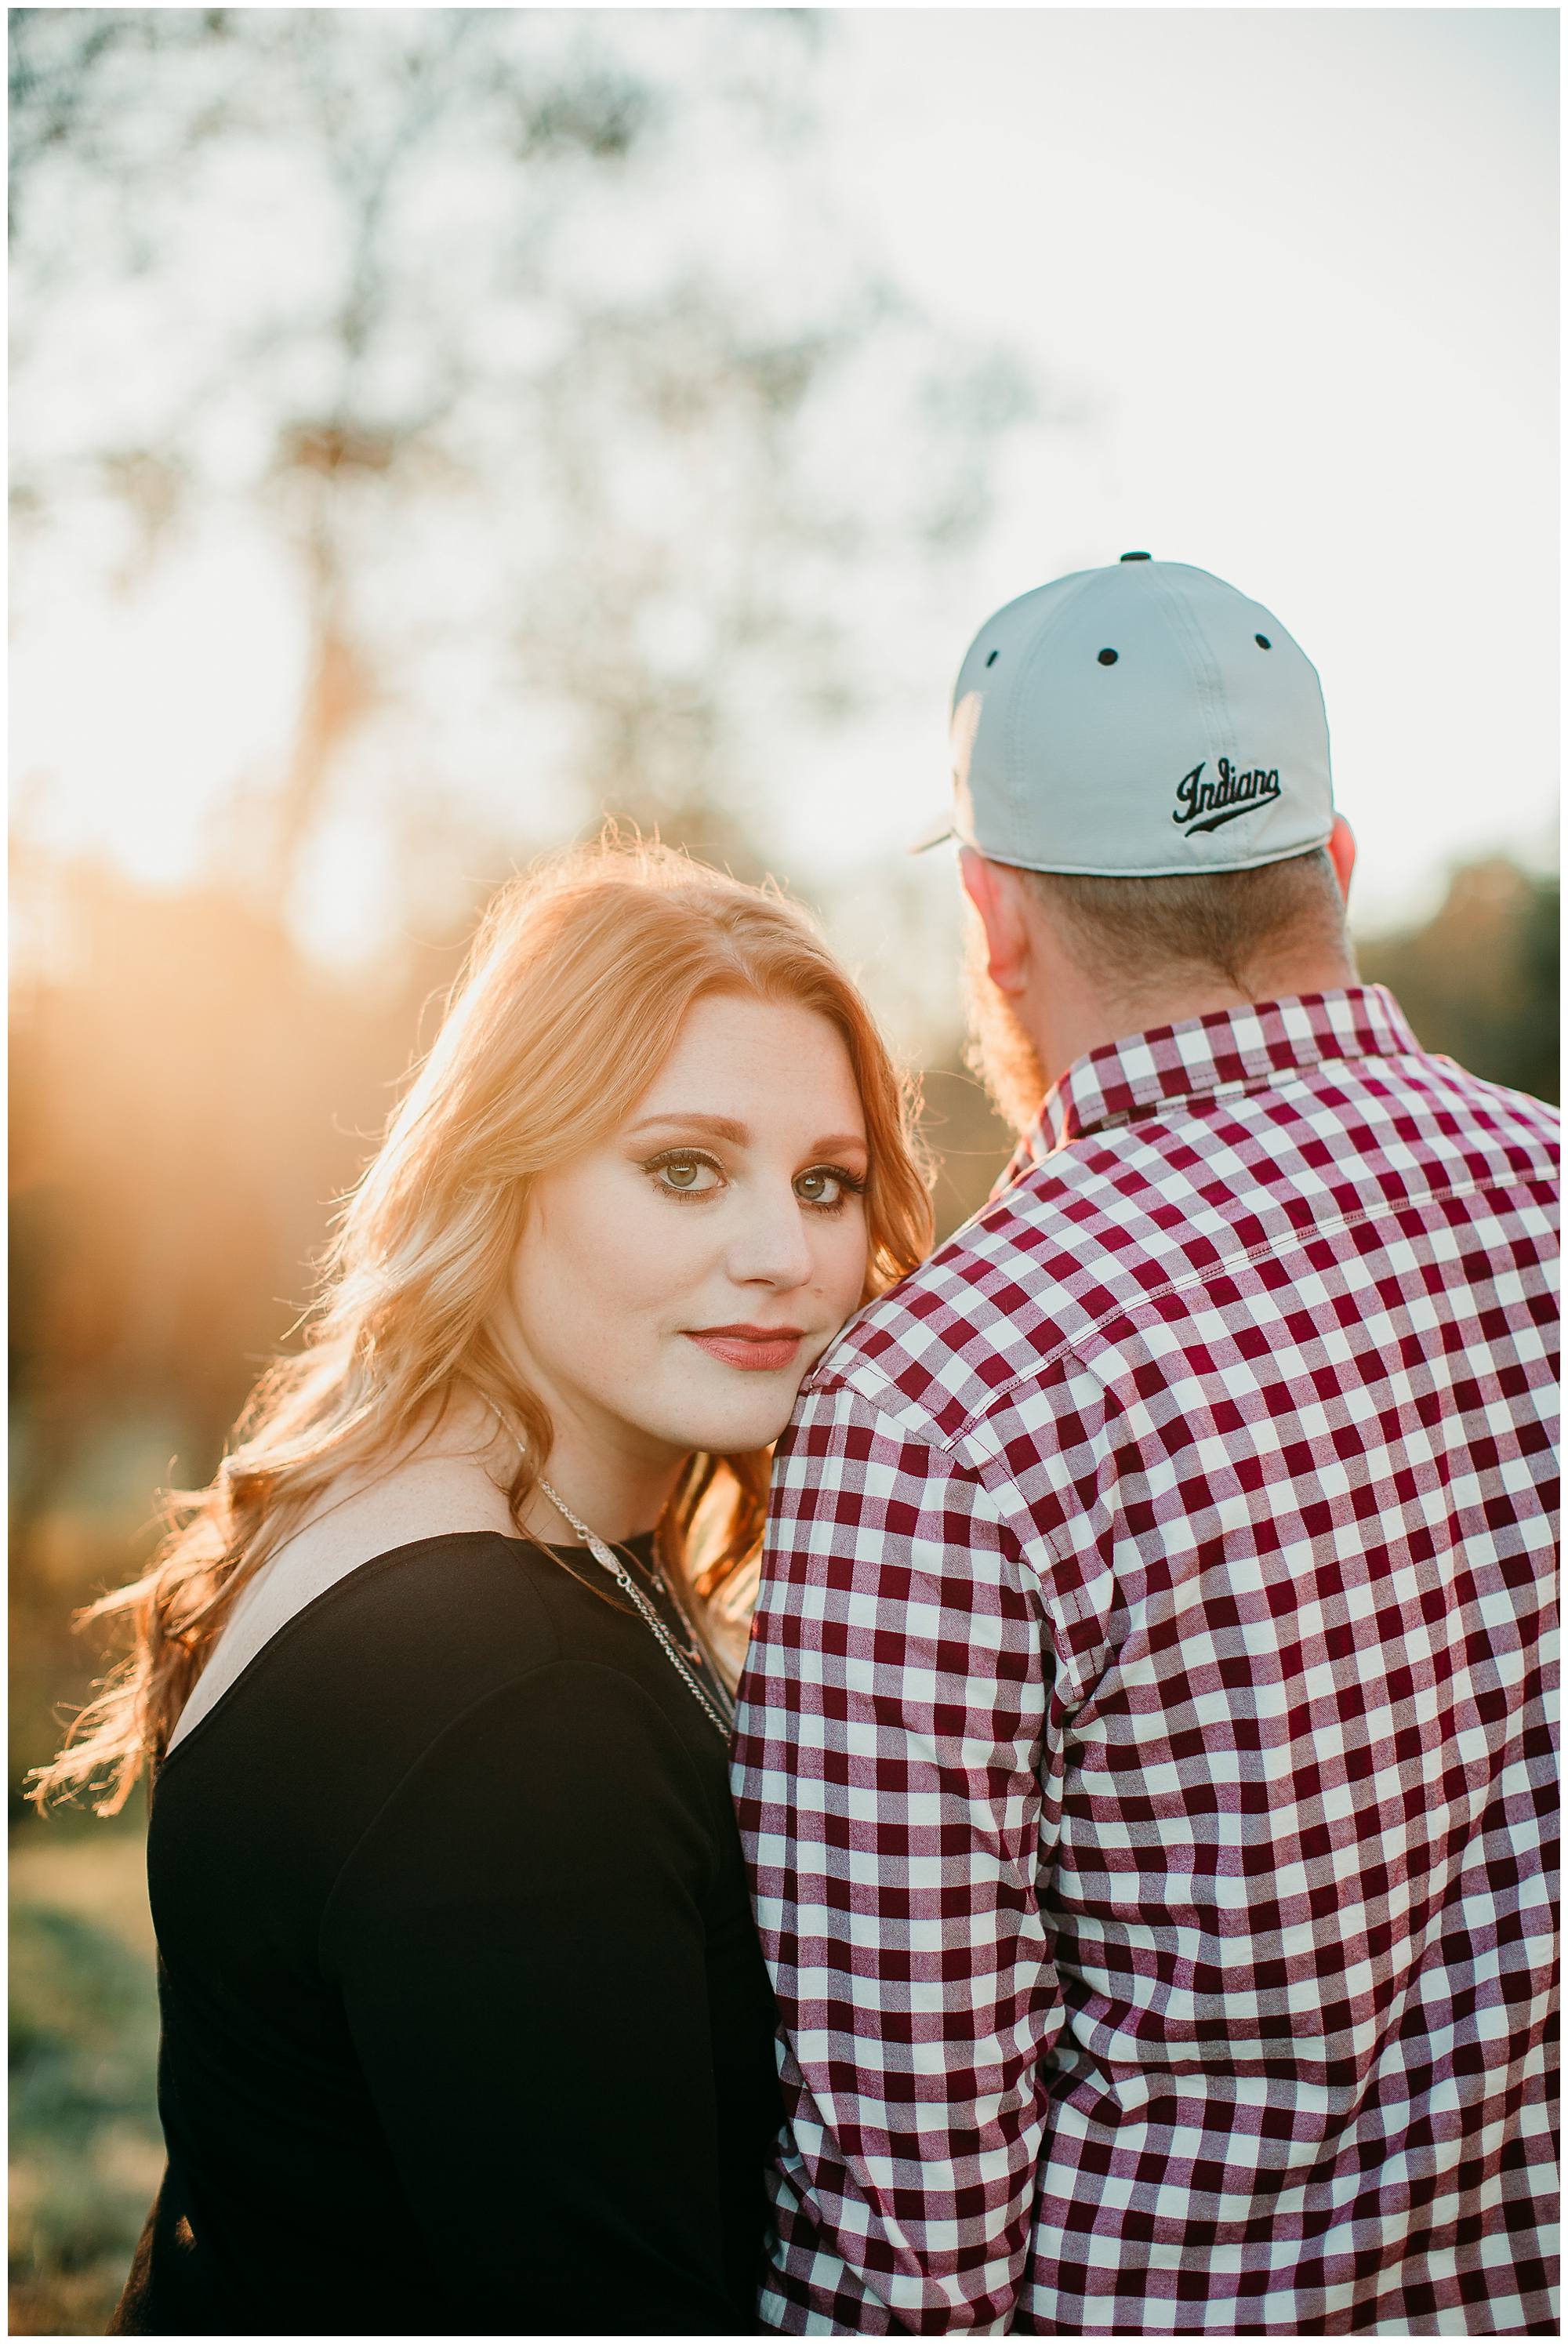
(465, 2025)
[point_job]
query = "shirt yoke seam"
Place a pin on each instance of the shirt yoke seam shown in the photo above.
(1070, 1346)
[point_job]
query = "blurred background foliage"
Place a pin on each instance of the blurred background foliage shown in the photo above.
(588, 510)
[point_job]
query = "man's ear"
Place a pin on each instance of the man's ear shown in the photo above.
(1343, 854)
(995, 892)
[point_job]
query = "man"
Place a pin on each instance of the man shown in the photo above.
(1142, 1759)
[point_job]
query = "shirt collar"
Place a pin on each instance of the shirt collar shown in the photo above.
(1228, 1050)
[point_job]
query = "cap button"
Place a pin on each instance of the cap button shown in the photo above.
(1135, 557)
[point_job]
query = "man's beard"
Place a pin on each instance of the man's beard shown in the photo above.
(999, 1050)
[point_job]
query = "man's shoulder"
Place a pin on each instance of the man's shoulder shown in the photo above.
(1027, 1290)
(1510, 1115)
(997, 1306)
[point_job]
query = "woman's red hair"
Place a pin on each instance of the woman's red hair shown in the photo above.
(576, 986)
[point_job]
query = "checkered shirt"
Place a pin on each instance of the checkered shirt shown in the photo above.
(1144, 1758)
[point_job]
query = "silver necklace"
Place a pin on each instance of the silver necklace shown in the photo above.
(721, 1712)
(654, 1569)
(692, 1650)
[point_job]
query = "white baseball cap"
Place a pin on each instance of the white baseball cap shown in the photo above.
(1143, 721)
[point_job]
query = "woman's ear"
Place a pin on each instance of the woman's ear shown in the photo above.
(1343, 854)
(994, 891)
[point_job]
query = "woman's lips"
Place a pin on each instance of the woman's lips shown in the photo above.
(768, 1347)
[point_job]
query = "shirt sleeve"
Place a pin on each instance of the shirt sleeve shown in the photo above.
(885, 1773)
(520, 1947)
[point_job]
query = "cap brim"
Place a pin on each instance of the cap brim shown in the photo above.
(933, 834)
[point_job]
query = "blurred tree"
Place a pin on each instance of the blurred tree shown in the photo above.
(1480, 980)
(442, 298)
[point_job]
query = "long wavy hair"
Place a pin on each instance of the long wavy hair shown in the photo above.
(573, 991)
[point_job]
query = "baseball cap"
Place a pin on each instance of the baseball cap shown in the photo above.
(1142, 721)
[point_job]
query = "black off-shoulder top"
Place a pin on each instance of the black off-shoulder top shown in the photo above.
(465, 2026)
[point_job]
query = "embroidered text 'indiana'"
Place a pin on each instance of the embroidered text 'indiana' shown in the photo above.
(1204, 805)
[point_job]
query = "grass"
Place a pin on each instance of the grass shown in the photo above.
(85, 2149)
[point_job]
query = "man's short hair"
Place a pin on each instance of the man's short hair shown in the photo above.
(1237, 924)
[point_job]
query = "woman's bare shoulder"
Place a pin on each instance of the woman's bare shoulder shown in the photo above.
(353, 1523)
(358, 1519)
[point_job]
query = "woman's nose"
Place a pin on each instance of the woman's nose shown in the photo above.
(773, 1245)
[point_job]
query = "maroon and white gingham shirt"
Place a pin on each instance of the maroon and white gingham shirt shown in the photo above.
(1142, 1757)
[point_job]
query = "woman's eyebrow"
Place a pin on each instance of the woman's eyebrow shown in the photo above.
(722, 1126)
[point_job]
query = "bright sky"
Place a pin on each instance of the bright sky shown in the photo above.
(1298, 269)
(1289, 280)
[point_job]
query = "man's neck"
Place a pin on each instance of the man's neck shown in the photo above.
(1067, 1016)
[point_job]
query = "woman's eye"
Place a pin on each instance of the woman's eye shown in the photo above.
(822, 1186)
(688, 1176)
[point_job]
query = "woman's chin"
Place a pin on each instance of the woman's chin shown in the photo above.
(746, 1422)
